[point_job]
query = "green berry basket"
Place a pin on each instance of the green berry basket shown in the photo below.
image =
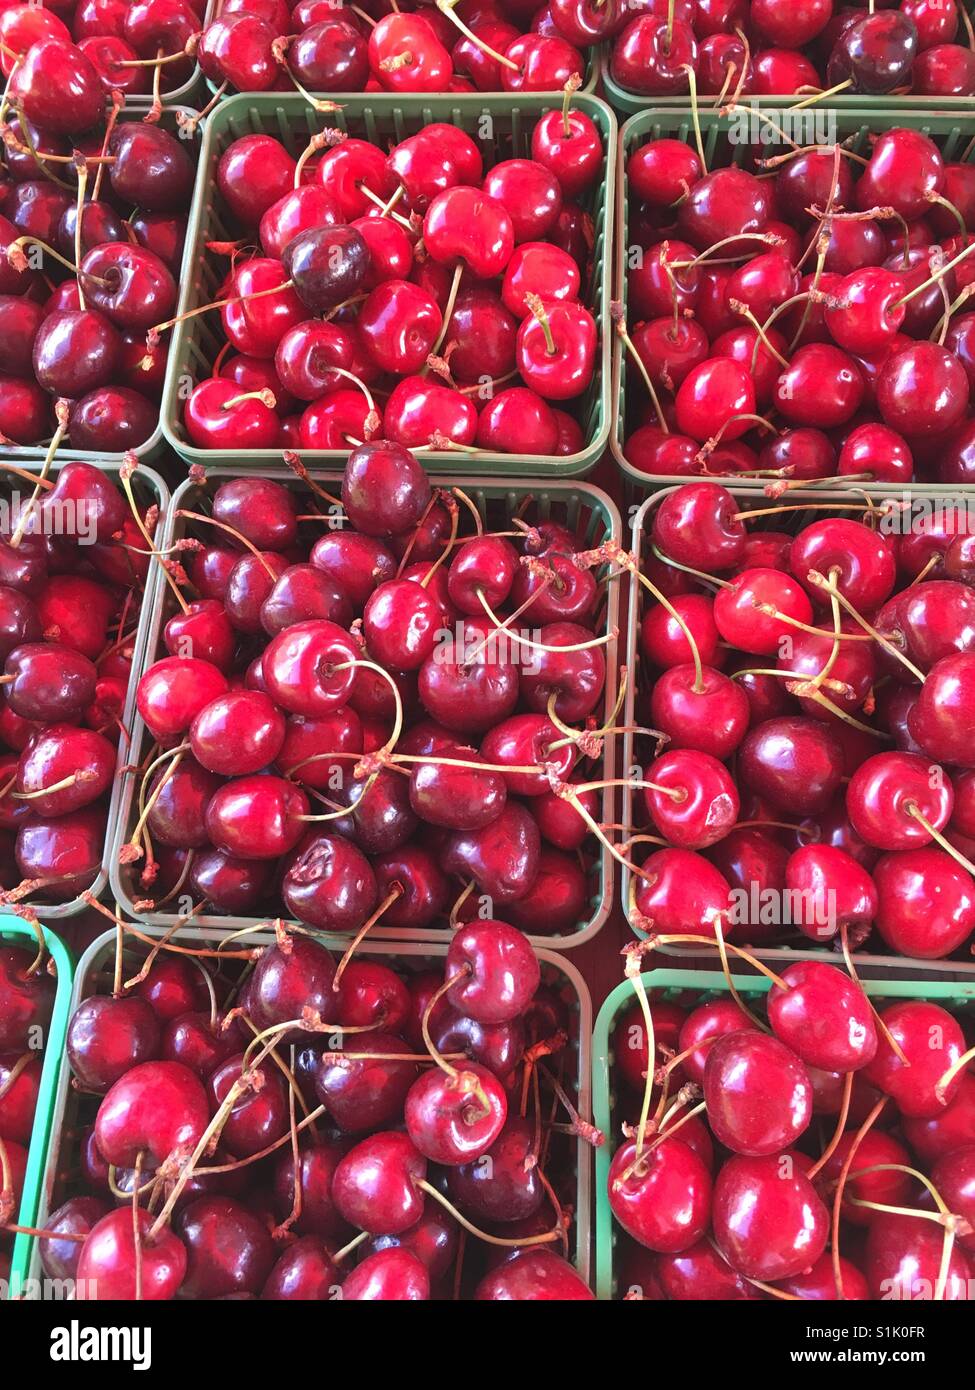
(800, 513)
(503, 127)
(696, 987)
(585, 509)
(150, 491)
(173, 119)
(14, 932)
(727, 140)
(632, 103)
(69, 1111)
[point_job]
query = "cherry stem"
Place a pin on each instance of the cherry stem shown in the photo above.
(841, 1184)
(447, 315)
(392, 896)
(27, 513)
(934, 279)
(914, 811)
(568, 92)
(695, 113)
(948, 1077)
(669, 1132)
(852, 971)
(838, 1132)
(821, 96)
(454, 513)
(237, 535)
(435, 998)
(628, 343)
(537, 309)
(829, 586)
(681, 623)
(469, 1227)
(632, 956)
(154, 332)
(940, 331)
(446, 7)
(529, 642)
(742, 309)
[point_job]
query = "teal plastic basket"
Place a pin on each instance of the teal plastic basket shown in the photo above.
(798, 516)
(150, 491)
(729, 140)
(15, 932)
(154, 446)
(702, 985)
(584, 509)
(70, 1111)
(503, 128)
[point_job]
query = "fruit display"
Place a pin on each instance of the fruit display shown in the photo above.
(453, 46)
(437, 284)
(387, 1123)
(794, 312)
(94, 204)
(74, 568)
(812, 49)
(387, 727)
(140, 48)
(35, 984)
(810, 675)
(795, 1138)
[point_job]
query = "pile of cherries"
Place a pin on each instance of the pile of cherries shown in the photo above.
(93, 214)
(27, 998)
(415, 278)
(816, 692)
(803, 314)
(786, 47)
(812, 1150)
(136, 47)
(302, 1128)
(341, 731)
(73, 568)
(379, 46)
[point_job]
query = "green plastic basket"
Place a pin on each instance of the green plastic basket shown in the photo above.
(585, 509)
(724, 144)
(799, 503)
(631, 103)
(149, 489)
(154, 446)
(503, 127)
(68, 1110)
(705, 984)
(15, 932)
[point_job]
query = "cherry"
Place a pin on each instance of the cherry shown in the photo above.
(494, 970)
(860, 561)
(692, 799)
(651, 56)
(940, 713)
(836, 892)
(886, 791)
(796, 764)
(533, 1276)
(156, 1107)
(57, 87)
(109, 1260)
(304, 1272)
(903, 1259)
(172, 693)
(361, 1094)
(107, 1036)
(454, 1118)
(501, 1186)
(874, 1150)
(375, 1186)
(929, 1055)
(952, 1128)
(926, 903)
(258, 1117)
(20, 1078)
(758, 1095)
(701, 1273)
(922, 390)
(75, 1217)
(768, 1222)
(228, 1250)
(256, 817)
(389, 1275)
(661, 1197)
(824, 1017)
(679, 891)
(48, 682)
(698, 525)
